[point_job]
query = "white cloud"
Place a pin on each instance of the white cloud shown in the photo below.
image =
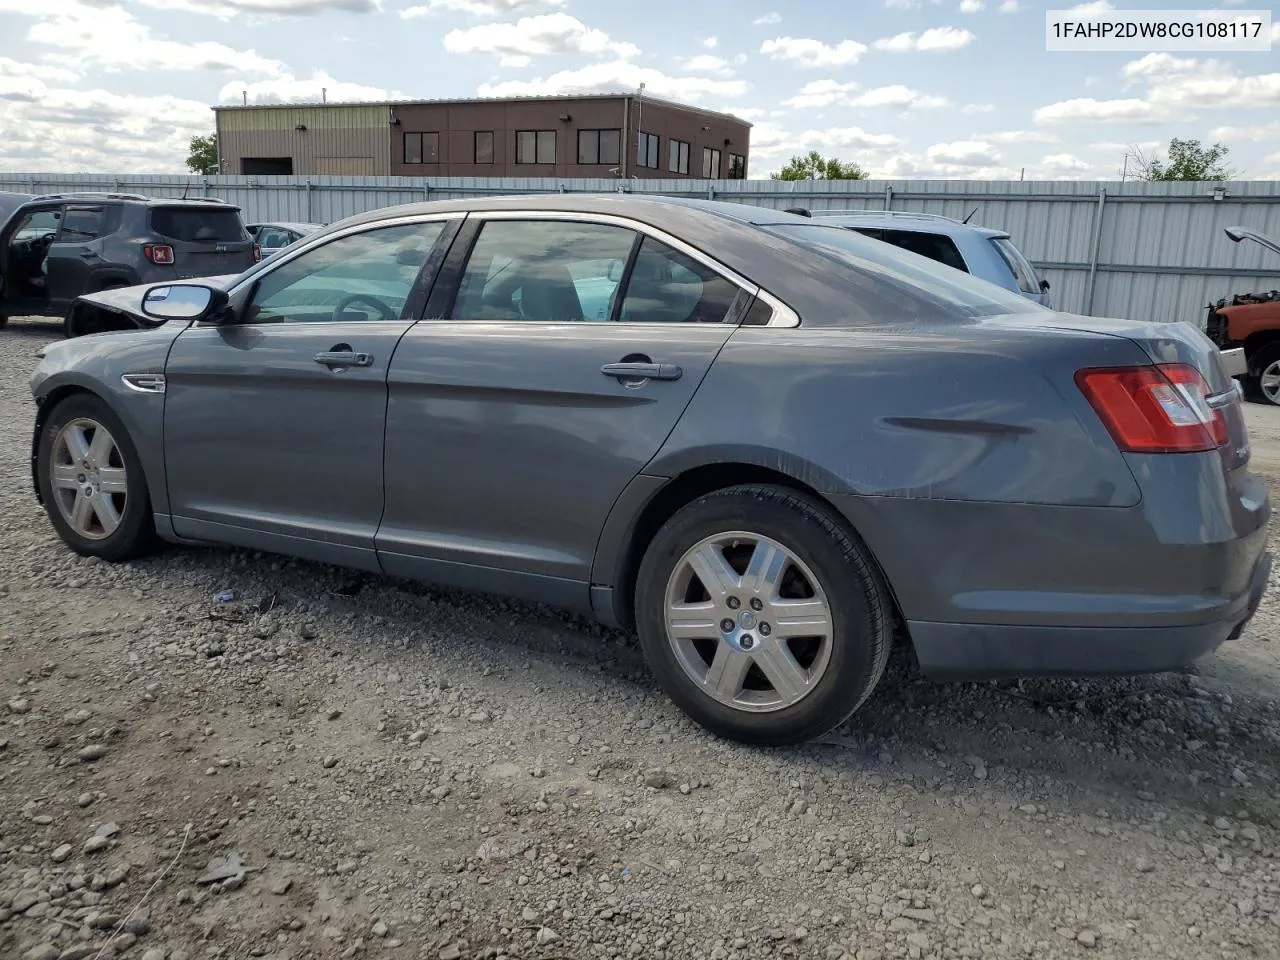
(767, 20)
(1021, 136)
(1159, 65)
(617, 76)
(964, 153)
(1009, 6)
(978, 108)
(971, 6)
(933, 40)
(479, 8)
(854, 137)
(295, 90)
(829, 93)
(548, 35)
(708, 63)
(1260, 133)
(1094, 8)
(710, 42)
(227, 9)
(1065, 163)
(1275, 33)
(1087, 108)
(1272, 158)
(814, 53)
(112, 38)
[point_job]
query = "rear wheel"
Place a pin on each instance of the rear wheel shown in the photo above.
(761, 616)
(1267, 363)
(91, 481)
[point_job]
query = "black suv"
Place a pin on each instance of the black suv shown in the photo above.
(55, 248)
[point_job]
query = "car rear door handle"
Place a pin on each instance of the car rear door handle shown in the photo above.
(89, 254)
(344, 358)
(642, 371)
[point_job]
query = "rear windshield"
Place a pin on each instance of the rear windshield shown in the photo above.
(915, 276)
(1022, 271)
(198, 224)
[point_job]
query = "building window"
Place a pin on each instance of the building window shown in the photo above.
(535, 146)
(484, 146)
(422, 148)
(710, 163)
(647, 150)
(599, 146)
(737, 167)
(679, 156)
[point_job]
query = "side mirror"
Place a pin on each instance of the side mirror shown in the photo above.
(183, 301)
(1044, 286)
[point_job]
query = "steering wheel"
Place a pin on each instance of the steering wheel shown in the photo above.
(384, 310)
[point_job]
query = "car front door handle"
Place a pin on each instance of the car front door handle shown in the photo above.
(88, 254)
(344, 358)
(642, 371)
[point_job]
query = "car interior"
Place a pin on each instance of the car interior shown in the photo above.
(27, 251)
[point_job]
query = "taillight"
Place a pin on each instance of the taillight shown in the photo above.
(158, 253)
(1155, 409)
(257, 253)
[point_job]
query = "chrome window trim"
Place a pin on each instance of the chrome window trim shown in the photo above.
(783, 315)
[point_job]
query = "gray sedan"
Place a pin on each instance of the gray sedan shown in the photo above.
(769, 445)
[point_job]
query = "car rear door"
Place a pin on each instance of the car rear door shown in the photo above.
(273, 431)
(523, 406)
(206, 239)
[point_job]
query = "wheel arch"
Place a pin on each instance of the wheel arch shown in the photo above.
(45, 405)
(653, 501)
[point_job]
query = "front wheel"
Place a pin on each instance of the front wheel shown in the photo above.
(761, 616)
(1267, 364)
(91, 481)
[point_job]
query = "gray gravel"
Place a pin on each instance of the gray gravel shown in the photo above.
(332, 765)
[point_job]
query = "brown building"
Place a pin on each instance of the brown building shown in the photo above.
(623, 135)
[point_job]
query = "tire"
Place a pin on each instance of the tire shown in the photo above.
(1267, 362)
(4, 321)
(114, 477)
(827, 675)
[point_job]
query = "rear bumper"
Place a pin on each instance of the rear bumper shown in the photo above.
(1233, 362)
(967, 651)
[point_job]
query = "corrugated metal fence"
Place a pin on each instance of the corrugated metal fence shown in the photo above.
(1142, 250)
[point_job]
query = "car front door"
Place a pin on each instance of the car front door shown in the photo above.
(561, 359)
(75, 252)
(274, 421)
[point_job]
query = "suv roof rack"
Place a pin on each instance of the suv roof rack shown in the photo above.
(187, 200)
(892, 214)
(89, 195)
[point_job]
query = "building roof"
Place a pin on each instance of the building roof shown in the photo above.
(461, 101)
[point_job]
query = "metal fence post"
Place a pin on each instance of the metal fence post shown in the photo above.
(1095, 246)
(888, 197)
(307, 188)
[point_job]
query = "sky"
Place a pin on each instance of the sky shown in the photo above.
(960, 89)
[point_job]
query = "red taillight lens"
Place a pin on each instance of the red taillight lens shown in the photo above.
(1160, 409)
(257, 253)
(158, 253)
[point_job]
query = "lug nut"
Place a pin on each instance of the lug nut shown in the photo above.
(734, 603)
(726, 625)
(756, 604)
(748, 642)
(765, 629)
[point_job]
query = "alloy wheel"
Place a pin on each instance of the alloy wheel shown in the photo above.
(88, 478)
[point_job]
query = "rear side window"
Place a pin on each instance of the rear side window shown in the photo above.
(82, 224)
(1023, 272)
(666, 286)
(198, 224)
(935, 246)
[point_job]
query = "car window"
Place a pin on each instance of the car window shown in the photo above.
(81, 224)
(271, 238)
(39, 224)
(1023, 272)
(543, 271)
(364, 276)
(915, 279)
(202, 224)
(667, 286)
(935, 246)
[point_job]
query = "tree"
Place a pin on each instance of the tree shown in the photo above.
(1187, 160)
(203, 156)
(813, 166)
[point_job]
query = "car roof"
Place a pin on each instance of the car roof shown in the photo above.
(295, 225)
(907, 221)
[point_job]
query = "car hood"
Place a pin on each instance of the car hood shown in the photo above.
(129, 299)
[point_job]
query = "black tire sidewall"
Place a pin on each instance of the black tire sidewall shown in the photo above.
(136, 533)
(859, 618)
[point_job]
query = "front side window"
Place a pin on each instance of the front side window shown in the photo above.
(599, 147)
(710, 163)
(679, 156)
(484, 146)
(364, 276)
(81, 224)
(647, 150)
(536, 146)
(666, 286)
(42, 223)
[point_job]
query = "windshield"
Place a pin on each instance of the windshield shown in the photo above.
(912, 275)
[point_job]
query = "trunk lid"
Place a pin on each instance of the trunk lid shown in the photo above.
(206, 238)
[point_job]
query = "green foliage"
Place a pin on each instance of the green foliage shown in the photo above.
(813, 166)
(1187, 160)
(203, 155)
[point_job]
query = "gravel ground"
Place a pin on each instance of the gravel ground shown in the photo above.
(337, 766)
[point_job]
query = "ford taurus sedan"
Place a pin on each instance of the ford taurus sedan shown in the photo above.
(769, 445)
